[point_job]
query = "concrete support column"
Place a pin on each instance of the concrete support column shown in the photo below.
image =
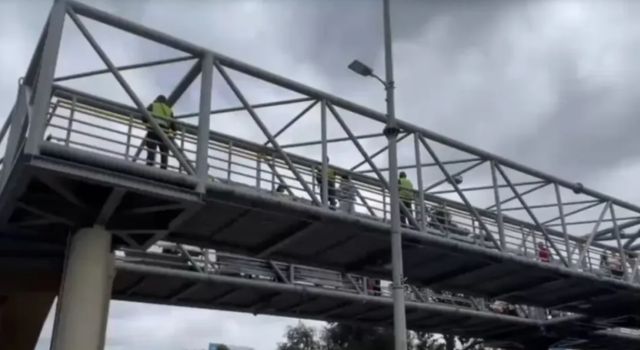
(86, 290)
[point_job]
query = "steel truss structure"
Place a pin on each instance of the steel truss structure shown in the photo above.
(179, 275)
(72, 160)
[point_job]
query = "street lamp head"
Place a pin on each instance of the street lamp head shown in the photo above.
(360, 68)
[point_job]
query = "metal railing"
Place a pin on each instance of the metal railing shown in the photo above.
(177, 256)
(76, 120)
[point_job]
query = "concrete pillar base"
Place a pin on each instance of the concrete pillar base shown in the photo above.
(86, 291)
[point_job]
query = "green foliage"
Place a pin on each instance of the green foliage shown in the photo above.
(343, 336)
(300, 337)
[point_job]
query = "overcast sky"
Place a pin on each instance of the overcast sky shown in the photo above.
(551, 84)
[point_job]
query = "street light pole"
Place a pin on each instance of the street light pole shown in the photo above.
(391, 132)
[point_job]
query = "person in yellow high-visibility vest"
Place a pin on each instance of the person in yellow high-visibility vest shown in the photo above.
(406, 196)
(163, 114)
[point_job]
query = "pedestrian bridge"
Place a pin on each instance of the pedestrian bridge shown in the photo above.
(89, 171)
(74, 160)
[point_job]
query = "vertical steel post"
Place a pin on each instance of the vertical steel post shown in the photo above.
(563, 223)
(420, 205)
(325, 166)
(384, 205)
(258, 171)
(127, 148)
(202, 162)
(70, 121)
(616, 231)
(496, 195)
(273, 174)
(44, 81)
(229, 160)
(391, 132)
(182, 136)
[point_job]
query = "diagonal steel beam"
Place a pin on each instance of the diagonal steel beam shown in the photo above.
(490, 187)
(279, 273)
(45, 214)
(186, 214)
(184, 162)
(184, 83)
(426, 165)
(274, 172)
(255, 106)
(189, 258)
(362, 151)
(548, 205)
(337, 139)
(266, 132)
(110, 206)
(295, 233)
(292, 121)
(579, 210)
(457, 173)
(532, 189)
(124, 68)
(531, 215)
(378, 152)
(155, 208)
(366, 203)
(62, 190)
(470, 207)
(181, 292)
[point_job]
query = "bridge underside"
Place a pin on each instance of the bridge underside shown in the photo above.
(186, 288)
(65, 189)
(141, 282)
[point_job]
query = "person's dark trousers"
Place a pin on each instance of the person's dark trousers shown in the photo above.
(152, 142)
(404, 219)
(331, 192)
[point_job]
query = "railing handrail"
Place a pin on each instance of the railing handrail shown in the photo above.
(191, 130)
(242, 157)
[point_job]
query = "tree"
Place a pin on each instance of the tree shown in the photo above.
(342, 336)
(300, 337)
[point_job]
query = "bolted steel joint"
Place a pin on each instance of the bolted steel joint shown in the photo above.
(391, 130)
(578, 188)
